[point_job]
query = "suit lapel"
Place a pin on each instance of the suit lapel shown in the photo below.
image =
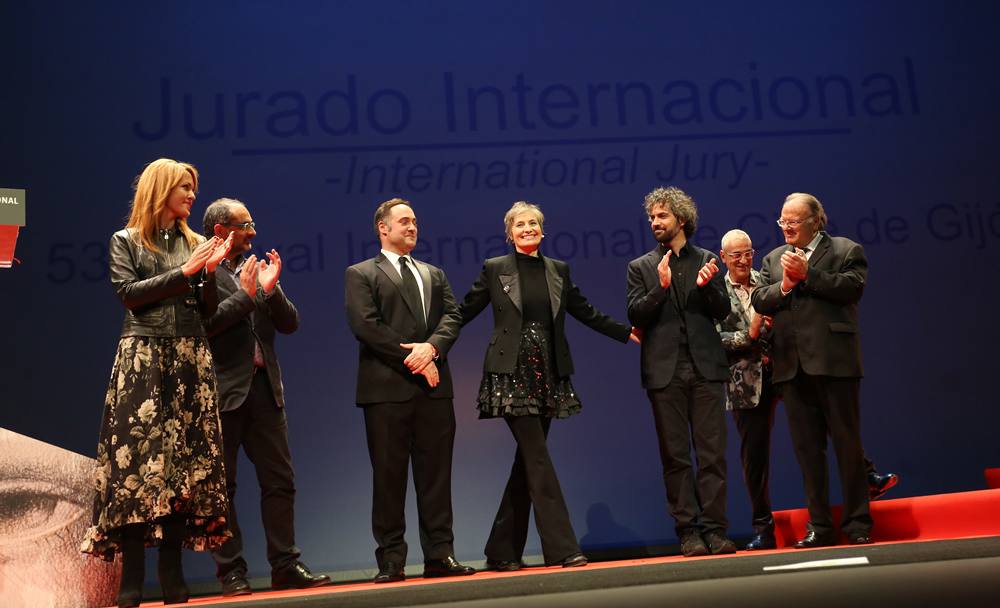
(652, 261)
(509, 281)
(555, 283)
(821, 250)
(390, 271)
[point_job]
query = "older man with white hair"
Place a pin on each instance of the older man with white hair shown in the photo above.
(812, 286)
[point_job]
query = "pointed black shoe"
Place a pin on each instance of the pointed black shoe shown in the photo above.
(297, 576)
(449, 566)
(390, 572)
(506, 565)
(574, 561)
(761, 542)
(235, 583)
(812, 540)
(878, 485)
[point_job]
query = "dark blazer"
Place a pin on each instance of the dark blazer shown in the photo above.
(381, 319)
(498, 284)
(816, 325)
(650, 309)
(231, 331)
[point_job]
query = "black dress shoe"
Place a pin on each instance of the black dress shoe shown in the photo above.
(235, 583)
(878, 485)
(860, 539)
(297, 576)
(811, 540)
(505, 565)
(692, 545)
(761, 542)
(574, 561)
(718, 543)
(448, 566)
(390, 572)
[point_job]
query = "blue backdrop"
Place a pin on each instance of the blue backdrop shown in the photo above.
(314, 112)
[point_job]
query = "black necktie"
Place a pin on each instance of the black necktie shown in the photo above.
(412, 293)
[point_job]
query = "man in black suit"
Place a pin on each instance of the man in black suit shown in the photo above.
(811, 287)
(675, 295)
(252, 308)
(405, 318)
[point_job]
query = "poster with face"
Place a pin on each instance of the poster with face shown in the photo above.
(45, 506)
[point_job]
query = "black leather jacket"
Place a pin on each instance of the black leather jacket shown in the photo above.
(159, 300)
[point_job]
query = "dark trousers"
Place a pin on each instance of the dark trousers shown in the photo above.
(817, 406)
(259, 425)
(754, 426)
(532, 482)
(421, 430)
(692, 408)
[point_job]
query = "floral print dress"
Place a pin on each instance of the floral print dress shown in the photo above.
(160, 448)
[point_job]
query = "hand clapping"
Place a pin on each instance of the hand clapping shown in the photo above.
(795, 266)
(269, 272)
(709, 270)
(248, 276)
(219, 252)
(207, 255)
(663, 269)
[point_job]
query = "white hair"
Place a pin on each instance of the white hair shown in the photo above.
(734, 234)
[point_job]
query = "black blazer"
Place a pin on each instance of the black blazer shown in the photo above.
(649, 309)
(381, 319)
(498, 284)
(231, 331)
(816, 324)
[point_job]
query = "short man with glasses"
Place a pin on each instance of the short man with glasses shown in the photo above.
(750, 395)
(811, 287)
(252, 308)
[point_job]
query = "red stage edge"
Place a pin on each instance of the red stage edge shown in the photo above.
(936, 517)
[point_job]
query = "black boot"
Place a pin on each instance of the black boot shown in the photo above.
(169, 568)
(133, 565)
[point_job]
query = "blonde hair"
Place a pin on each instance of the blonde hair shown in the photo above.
(152, 189)
(518, 208)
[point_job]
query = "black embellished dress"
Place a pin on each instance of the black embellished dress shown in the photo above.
(526, 381)
(535, 386)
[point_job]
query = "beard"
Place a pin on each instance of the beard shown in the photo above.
(667, 234)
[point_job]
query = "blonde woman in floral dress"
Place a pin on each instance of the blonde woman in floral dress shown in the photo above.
(160, 479)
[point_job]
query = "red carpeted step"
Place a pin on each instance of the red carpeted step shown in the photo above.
(992, 478)
(939, 516)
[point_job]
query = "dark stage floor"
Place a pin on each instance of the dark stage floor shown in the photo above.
(960, 573)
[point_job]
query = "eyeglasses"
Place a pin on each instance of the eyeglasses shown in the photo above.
(741, 255)
(243, 226)
(791, 223)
